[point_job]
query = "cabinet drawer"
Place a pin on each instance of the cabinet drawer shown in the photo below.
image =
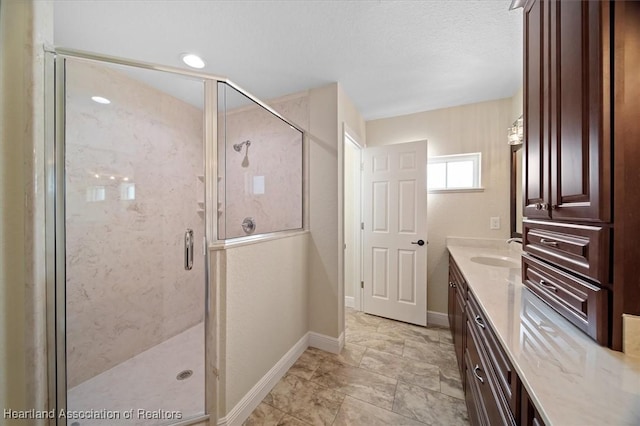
(481, 381)
(583, 304)
(578, 248)
(506, 377)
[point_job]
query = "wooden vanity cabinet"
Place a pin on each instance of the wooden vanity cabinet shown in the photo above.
(493, 391)
(567, 154)
(580, 152)
(504, 375)
(529, 414)
(585, 305)
(485, 402)
(457, 303)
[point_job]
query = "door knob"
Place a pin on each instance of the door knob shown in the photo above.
(419, 242)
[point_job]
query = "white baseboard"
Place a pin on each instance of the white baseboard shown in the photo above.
(437, 318)
(326, 343)
(350, 301)
(252, 399)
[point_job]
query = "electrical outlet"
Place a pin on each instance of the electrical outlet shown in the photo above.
(494, 222)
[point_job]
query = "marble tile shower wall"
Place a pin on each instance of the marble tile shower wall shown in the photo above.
(127, 289)
(267, 186)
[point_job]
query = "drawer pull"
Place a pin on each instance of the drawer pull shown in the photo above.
(548, 286)
(479, 321)
(475, 373)
(452, 284)
(549, 242)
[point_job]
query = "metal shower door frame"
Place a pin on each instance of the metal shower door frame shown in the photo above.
(55, 227)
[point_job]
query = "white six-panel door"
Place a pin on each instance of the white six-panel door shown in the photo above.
(395, 219)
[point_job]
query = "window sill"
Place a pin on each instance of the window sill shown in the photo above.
(454, 190)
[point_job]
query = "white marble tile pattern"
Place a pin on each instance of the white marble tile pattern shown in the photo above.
(571, 379)
(127, 289)
(276, 155)
(148, 381)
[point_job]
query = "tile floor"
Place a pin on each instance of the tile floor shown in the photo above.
(389, 373)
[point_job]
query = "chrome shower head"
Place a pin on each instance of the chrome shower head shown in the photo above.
(238, 146)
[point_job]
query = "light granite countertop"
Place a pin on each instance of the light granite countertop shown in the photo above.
(570, 378)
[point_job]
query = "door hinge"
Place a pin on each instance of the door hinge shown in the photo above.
(361, 284)
(362, 225)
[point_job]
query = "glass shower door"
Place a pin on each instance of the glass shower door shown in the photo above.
(134, 202)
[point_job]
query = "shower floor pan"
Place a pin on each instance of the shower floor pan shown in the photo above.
(150, 388)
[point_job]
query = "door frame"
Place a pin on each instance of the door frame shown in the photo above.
(351, 138)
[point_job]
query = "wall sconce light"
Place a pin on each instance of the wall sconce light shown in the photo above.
(515, 133)
(516, 4)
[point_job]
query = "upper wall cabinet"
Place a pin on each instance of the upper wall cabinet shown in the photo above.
(566, 82)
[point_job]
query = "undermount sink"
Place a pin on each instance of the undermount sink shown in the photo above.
(500, 261)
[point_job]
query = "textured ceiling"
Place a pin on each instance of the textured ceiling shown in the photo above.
(391, 57)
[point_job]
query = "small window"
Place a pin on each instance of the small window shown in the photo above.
(454, 172)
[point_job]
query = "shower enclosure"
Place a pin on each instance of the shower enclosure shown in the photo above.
(147, 168)
(134, 194)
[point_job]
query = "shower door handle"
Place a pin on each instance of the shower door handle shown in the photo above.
(188, 249)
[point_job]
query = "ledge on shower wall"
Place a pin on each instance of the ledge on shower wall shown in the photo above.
(255, 239)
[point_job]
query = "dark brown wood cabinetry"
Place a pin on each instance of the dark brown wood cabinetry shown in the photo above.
(581, 158)
(585, 305)
(457, 303)
(491, 385)
(567, 174)
(529, 414)
(488, 371)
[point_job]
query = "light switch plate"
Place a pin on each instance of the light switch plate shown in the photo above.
(494, 222)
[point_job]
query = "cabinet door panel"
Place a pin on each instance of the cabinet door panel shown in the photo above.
(535, 152)
(579, 142)
(530, 415)
(484, 381)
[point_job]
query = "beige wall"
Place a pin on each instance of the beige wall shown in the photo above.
(25, 27)
(323, 211)
(330, 111)
(127, 289)
(517, 104)
(477, 127)
(264, 293)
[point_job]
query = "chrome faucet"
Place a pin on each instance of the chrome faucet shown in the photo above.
(516, 240)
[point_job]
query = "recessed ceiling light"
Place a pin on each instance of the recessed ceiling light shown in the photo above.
(100, 100)
(194, 61)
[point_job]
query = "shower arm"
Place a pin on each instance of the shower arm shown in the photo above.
(238, 146)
